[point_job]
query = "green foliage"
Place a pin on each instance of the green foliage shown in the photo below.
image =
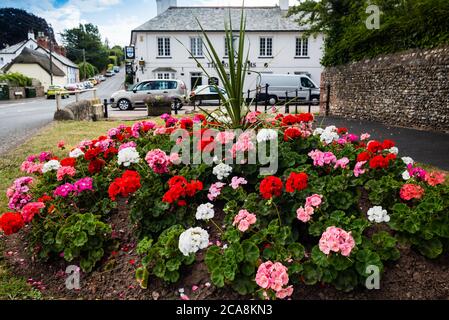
(16, 79)
(404, 24)
(163, 258)
(87, 70)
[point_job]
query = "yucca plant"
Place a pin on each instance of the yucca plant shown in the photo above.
(233, 77)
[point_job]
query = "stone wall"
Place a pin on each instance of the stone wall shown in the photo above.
(79, 111)
(409, 89)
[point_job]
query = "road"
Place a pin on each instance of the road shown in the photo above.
(20, 119)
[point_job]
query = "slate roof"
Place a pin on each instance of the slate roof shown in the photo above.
(12, 49)
(29, 56)
(212, 19)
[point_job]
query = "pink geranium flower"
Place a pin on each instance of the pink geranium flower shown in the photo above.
(336, 240)
(236, 182)
(65, 171)
(244, 220)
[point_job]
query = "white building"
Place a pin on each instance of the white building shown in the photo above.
(9, 53)
(276, 43)
(70, 68)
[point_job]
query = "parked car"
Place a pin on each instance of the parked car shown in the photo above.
(88, 85)
(109, 74)
(136, 95)
(102, 78)
(53, 90)
(116, 69)
(206, 94)
(94, 81)
(71, 87)
(279, 84)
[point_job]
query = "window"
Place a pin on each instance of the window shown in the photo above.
(163, 75)
(144, 86)
(266, 47)
(306, 83)
(163, 47)
(196, 46)
(302, 47)
(234, 44)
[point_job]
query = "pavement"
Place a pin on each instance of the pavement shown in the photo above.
(20, 119)
(423, 146)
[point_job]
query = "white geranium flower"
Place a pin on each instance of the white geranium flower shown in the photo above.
(327, 135)
(408, 160)
(378, 214)
(266, 135)
(192, 240)
(205, 211)
(127, 156)
(394, 150)
(222, 171)
(318, 131)
(406, 175)
(76, 153)
(51, 165)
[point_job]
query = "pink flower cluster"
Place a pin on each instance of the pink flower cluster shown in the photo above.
(31, 209)
(236, 182)
(358, 169)
(305, 213)
(435, 178)
(225, 137)
(65, 171)
(158, 161)
(244, 143)
(169, 120)
(31, 166)
(251, 117)
(215, 190)
(336, 239)
(244, 219)
(18, 194)
(416, 172)
(274, 276)
(84, 184)
(320, 159)
(130, 144)
(137, 127)
(411, 191)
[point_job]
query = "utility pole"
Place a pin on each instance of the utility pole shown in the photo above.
(51, 54)
(84, 63)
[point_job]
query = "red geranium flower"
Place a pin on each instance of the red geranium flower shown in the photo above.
(271, 186)
(68, 162)
(289, 120)
(11, 222)
(304, 117)
(363, 156)
(124, 186)
(296, 182)
(292, 133)
(387, 144)
(110, 152)
(96, 165)
(374, 146)
(186, 123)
(378, 162)
(92, 154)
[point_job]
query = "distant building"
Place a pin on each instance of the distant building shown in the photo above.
(70, 68)
(9, 53)
(36, 65)
(277, 44)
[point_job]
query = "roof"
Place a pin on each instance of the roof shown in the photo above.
(29, 56)
(64, 60)
(211, 19)
(13, 49)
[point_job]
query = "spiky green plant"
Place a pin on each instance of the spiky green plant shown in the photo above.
(233, 77)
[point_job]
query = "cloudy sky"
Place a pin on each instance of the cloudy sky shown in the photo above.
(115, 18)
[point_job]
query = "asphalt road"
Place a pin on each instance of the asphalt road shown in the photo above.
(20, 119)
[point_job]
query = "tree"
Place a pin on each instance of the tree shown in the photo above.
(86, 37)
(404, 24)
(16, 23)
(87, 70)
(117, 51)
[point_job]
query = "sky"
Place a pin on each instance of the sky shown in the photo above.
(114, 18)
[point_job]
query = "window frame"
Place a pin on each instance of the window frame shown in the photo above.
(163, 46)
(266, 49)
(302, 47)
(196, 46)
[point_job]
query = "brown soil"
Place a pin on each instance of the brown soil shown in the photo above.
(411, 277)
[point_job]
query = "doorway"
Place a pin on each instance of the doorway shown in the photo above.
(196, 79)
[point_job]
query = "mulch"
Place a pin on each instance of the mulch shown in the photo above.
(411, 277)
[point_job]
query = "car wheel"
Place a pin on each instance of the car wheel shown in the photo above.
(176, 104)
(273, 100)
(315, 100)
(124, 105)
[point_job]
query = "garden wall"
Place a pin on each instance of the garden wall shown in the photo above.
(84, 110)
(409, 89)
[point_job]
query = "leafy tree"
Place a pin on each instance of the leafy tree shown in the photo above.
(16, 23)
(87, 70)
(117, 51)
(86, 37)
(404, 24)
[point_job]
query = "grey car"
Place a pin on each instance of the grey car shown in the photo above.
(136, 95)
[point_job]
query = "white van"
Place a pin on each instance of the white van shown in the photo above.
(281, 84)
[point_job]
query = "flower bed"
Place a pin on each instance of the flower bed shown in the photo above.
(337, 205)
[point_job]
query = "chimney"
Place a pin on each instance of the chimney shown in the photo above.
(31, 35)
(163, 5)
(283, 4)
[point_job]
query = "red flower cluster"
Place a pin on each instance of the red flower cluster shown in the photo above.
(186, 123)
(271, 186)
(68, 162)
(381, 162)
(179, 189)
(11, 222)
(96, 165)
(292, 133)
(296, 182)
(342, 131)
(291, 119)
(127, 184)
(375, 146)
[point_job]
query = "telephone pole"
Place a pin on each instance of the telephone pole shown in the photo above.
(51, 54)
(84, 63)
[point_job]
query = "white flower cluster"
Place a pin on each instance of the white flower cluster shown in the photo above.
(222, 171)
(406, 175)
(51, 165)
(327, 135)
(192, 240)
(127, 156)
(205, 211)
(408, 160)
(76, 153)
(266, 135)
(394, 150)
(378, 214)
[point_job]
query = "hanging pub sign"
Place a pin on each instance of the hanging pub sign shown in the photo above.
(130, 53)
(129, 68)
